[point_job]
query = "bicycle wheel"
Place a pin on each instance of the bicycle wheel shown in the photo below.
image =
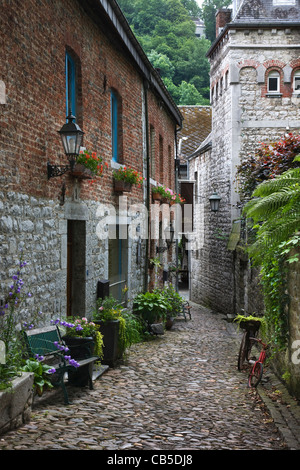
(255, 375)
(243, 352)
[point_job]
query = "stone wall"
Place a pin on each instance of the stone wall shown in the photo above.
(38, 228)
(16, 403)
(287, 365)
(244, 115)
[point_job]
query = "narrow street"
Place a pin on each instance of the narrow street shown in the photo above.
(181, 391)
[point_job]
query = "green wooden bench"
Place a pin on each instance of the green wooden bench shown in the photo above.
(43, 342)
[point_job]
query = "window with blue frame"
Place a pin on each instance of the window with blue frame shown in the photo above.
(114, 126)
(71, 87)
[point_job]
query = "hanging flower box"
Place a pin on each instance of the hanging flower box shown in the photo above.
(121, 186)
(88, 166)
(81, 172)
(156, 196)
(125, 177)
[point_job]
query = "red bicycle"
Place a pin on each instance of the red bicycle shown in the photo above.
(258, 368)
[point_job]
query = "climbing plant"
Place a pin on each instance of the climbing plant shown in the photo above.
(274, 212)
(269, 160)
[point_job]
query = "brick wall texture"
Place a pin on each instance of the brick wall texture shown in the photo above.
(34, 37)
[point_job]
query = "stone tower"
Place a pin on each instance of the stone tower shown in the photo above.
(255, 97)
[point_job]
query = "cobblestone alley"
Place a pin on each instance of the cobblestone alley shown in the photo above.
(181, 391)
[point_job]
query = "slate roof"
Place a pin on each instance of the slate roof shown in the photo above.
(268, 11)
(196, 127)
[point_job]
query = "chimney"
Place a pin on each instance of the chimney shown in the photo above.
(223, 16)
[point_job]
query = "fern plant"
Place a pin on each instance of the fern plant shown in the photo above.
(275, 209)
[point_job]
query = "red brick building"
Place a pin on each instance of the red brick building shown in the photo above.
(77, 56)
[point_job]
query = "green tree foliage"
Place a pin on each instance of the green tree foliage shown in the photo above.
(167, 34)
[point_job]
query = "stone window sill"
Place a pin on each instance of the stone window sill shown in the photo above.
(273, 95)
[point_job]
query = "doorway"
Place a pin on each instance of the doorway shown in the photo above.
(118, 264)
(76, 268)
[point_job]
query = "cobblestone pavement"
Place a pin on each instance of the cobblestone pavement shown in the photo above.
(181, 391)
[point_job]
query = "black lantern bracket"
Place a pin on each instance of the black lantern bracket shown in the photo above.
(58, 170)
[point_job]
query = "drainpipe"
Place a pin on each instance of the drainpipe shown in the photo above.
(145, 89)
(176, 190)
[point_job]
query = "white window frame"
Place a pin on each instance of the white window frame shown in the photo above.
(284, 2)
(296, 75)
(273, 74)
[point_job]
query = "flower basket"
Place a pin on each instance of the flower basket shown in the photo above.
(80, 347)
(125, 177)
(165, 200)
(81, 172)
(156, 196)
(250, 325)
(121, 186)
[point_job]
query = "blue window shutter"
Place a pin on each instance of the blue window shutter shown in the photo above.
(114, 126)
(70, 85)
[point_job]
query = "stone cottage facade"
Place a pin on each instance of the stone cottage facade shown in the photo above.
(255, 68)
(78, 56)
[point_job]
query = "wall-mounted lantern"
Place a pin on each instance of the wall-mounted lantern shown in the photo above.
(169, 234)
(214, 202)
(71, 137)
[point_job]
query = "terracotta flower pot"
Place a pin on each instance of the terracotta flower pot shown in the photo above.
(156, 196)
(81, 172)
(122, 186)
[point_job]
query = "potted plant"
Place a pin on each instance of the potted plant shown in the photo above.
(108, 316)
(16, 392)
(175, 302)
(82, 337)
(87, 165)
(125, 177)
(152, 307)
(169, 196)
(158, 192)
(83, 340)
(179, 199)
(42, 375)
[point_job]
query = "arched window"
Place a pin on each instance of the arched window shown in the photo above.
(296, 81)
(274, 82)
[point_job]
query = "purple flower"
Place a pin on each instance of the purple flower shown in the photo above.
(51, 371)
(39, 358)
(73, 363)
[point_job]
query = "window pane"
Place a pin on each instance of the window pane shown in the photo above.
(273, 84)
(114, 126)
(70, 86)
(297, 83)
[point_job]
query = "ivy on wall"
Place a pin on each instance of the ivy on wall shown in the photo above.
(273, 212)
